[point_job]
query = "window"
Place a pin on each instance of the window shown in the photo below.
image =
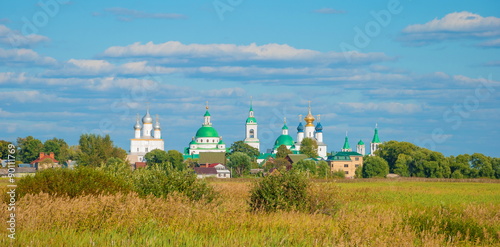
(146, 150)
(252, 133)
(201, 140)
(357, 158)
(357, 165)
(346, 172)
(346, 165)
(137, 149)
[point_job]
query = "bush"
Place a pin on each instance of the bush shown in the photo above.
(72, 183)
(284, 191)
(161, 183)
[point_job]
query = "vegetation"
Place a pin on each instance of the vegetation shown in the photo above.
(404, 212)
(282, 152)
(29, 149)
(240, 163)
(96, 150)
(374, 167)
(286, 190)
(72, 183)
(409, 160)
(309, 147)
(242, 147)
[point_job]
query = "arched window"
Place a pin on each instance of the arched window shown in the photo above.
(252, 133)
(201, 140)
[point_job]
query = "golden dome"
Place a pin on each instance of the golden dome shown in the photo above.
(309, 118)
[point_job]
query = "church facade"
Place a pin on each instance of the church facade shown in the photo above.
(206, 139)
(147, 137)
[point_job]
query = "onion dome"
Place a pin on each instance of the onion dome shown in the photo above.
(147, 118)
(361, 142)
(309, 118)
(284, 127)
(300, 128)
(137, 124)
(319, 128)
(156, 126)
(221, 142)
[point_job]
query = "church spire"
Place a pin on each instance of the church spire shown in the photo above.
(207, 116)
(375, 135)
(347, 147)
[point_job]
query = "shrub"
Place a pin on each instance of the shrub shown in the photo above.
(72, 183)
(161, 183)
(283, 191)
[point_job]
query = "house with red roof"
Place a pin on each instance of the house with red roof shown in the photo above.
(45, 161)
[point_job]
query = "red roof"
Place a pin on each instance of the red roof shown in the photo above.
(140, 165)
(205, 170)
(45, 156)
(214, 164)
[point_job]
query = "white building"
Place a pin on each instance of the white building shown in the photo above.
(207, 139)
(310, 131)
(147, 137)
(251, 137)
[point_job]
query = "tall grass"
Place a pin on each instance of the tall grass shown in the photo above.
(378, 213)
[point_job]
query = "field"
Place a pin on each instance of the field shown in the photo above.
(350, 213)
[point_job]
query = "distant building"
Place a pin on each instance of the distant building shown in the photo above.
(45, 161)
(251, 137)
(375, 142)
(207, 139)
(147, 137)
(347, 162)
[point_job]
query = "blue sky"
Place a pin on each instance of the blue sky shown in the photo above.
(427, 72)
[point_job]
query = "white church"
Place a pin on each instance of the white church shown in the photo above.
(147, 137)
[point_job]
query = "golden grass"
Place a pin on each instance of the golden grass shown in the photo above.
(376, 213)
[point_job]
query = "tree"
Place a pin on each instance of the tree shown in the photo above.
(176, 159)
(309, 147)
(4, 149)
(282, 152)
(390, 151)
(401, 165)
(117, 168)
(482, 164)
(156, 157)
(323, 169)
(59, 147)
(96, 150)
(306, 166)
(29, 148)
(240, 163)
(242, 147)
(374, 166)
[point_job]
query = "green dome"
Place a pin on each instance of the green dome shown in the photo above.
(361, 142)
(286, 140)
(221, 142)
(251, 120)
(206, 131)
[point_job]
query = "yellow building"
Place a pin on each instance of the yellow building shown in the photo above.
(346, 162)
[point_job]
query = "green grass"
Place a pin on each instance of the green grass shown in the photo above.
(364, 213)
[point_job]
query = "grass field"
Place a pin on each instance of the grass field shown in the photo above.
(354, 213)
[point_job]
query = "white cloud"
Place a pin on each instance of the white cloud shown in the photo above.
(15, 38)
(391, 107)
(35, 96)
(452, 26)
(495, 43)
(227, 53)
(23, 57)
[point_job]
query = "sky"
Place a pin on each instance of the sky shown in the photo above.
(425, 72)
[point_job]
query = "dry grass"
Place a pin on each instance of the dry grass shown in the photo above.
(376, 213)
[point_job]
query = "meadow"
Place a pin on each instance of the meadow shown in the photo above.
(360, 212)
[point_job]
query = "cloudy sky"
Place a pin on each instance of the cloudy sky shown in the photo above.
(427, 72)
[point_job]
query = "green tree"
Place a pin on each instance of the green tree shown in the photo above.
(59, 147)
(241, 146)
(323, 169)
(29, 148)
(309, 147)
(401, 165)
(308, 166)
(4, 149)
(374, 166)
(390, 151)
(282, 152)
(156, 157)
(482, 164)
(176, 159)
(96, 150)
(117, 168)
(240, 163)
